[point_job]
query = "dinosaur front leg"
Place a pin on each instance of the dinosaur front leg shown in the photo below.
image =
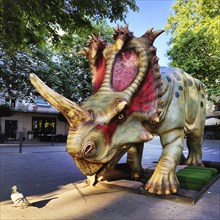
(134, 160)
(164, 180)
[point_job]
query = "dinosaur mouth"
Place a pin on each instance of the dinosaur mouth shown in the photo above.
(111, 164)
(99, 169)
(86, 167)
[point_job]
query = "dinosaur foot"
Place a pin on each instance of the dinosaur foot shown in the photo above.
(194, 160)
(162, 184)
(137, 175)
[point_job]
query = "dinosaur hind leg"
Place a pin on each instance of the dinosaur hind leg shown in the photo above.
(194, 144)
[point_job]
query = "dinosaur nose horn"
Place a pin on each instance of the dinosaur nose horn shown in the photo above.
(74, 113)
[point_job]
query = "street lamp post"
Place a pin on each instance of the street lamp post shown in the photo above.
(20, 141)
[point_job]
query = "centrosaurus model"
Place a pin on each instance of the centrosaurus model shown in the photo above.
(132, 101)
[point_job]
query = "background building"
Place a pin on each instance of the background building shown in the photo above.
(40, 121)
(37, 121)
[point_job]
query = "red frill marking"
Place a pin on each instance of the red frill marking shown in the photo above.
(142, 102)
(99, 74)
(108, 130)
(124, 70)
(144, 99)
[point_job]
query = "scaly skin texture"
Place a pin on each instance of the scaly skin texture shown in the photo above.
(184, 99)
(133, 99)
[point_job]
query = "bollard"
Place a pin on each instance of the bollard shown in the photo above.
(20, 141)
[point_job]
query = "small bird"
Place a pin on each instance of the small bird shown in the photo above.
(18, 198)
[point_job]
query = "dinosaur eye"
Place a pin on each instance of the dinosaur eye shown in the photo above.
(121, 117)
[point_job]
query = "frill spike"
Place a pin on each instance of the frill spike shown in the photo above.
(152, 35)
(95, 55)
(120, 36)
(84, 52)
(123, 33)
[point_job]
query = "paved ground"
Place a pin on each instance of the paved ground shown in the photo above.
(48, 177)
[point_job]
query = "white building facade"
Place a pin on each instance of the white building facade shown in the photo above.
(34, 121)
(40, 121)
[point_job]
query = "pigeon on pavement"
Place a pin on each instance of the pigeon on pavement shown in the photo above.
(18, 198)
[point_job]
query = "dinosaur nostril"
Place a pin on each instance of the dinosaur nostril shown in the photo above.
(88, 149)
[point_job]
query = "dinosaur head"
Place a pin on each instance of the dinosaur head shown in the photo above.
(126, 94)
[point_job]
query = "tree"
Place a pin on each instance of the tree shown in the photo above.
(73, 74)
(44, 37)
(15, 70)
(36, 22)
(65, 70)
(195, 42)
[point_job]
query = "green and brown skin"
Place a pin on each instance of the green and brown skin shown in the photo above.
(132, 100)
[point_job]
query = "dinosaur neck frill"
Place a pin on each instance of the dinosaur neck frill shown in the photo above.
(99, 74)
(128, 69)
(148, 98)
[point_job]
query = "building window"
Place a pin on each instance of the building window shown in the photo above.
(10, 102)
(43, 126)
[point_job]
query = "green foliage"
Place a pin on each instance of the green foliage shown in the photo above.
(195, 45)
(45, 36)
(71, 76)
(65, 70)
(39, 22)
(15, 70)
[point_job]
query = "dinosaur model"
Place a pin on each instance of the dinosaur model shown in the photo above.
(132, 101)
